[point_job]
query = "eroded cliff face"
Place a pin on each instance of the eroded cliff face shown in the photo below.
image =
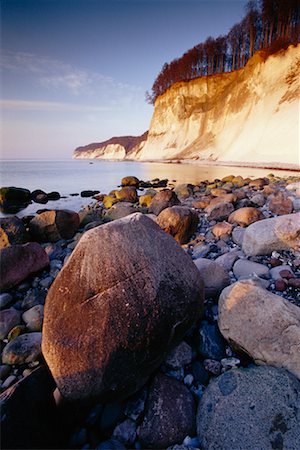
(248, 116)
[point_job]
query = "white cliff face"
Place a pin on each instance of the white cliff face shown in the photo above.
(111, 151)
(250, 116)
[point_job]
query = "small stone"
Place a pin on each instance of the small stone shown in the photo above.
(200, 251)
(25, 348)
(33, 318)
(9, 381)
(227, 260)
(222, 229)
(188, 379)
(4, 371)
(78, 438)
(15, 332)
(245, 216)
(280, 204)
(219, 212)
(294, 282)
(214, 276)
(278, 272)
(5, 299)
(211, 343)
(212, 366)
(280, 285)
(230, 363)
(180, 356)
(9, 318)
(238, 236)
(130, 181)
(46, 282)
(125, 432)
(244, 268)
(286, 273)
(136, 405)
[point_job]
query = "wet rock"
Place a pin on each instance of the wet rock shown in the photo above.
(23, 349)
(51, 226)
(211, 343)
(32, 298)
(262, 324)
(244, 268)
(170, 414)
(178, 221)
(29, 417)
(9, 318)
(20, 261)
(130, 181)
(245, 216)
(127, 194)
(13, 231)
(215, 277)
(222, 229)
(280, 204)
(163, 199)
(13, 199)
(130, 269)
(120, 210)
(33, 318)
(54, 195)
(88, 193)
(219, 212)
(275, 234)
(180, 356)
(259, 404)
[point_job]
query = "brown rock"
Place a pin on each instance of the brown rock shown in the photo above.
(280, 204)
(130, 181)
(145, 200)
(259, 183)
(220, 211)
(179, 221)
(125, 297)
(120, 210)
(163, 199)
(245, 216)
(217, 192)
(13, 231)
(127, 194)
(294, 282)
(20, 261)
(262, 324)
(51, 226)
(184, 190)
(222, 229)
(230, 198)
(280, 285)
(202, 202)
(170, 414)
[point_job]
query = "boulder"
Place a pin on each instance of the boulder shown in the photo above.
(14, 230)
(23, 349)
(88, 193)
(219, 211)
(218, 192)
(179, 221)
(145, 200)
(138, 293)
(163, 199)
(214, 275)
(259, 183)
(120, 210)
(51, 226)
(13, 199)
(130, 181)
(180, 356)
(262, 324)
(39, 196)
(227, 260)
(202, 202)
(245, 216)
(33, 318)
(169, 416)
(19, 262)
(109, 201)
(253, 408)
(280, 204)
(184, 190)
(29, 418)
(275, 234)
(87, 216)
(127, 194)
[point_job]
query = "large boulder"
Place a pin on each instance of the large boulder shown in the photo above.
(20, 261)
(13, 199)
(127, 194)
(51, 226)
(179, 221)
(14, 230)
(275, 234)
(125, 297)
(246, 409)
(170, 414)
(262, 324)
(163, 199)
(29, 418)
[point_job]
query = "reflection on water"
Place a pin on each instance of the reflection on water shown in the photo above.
(73, 176)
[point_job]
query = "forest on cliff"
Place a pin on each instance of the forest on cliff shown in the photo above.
(267, 25)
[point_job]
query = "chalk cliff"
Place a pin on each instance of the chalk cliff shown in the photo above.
(246, 117)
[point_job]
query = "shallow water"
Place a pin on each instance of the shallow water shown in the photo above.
(73, 176)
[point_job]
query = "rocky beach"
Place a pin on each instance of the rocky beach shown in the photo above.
(162, 315)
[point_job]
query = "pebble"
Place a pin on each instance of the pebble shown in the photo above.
(212, 366)
(33, 318)
(180, 356)
(230, 363)
(46, 282)
(4, 371)
(244, 268)
(5, 299)
(22, 349)
(238, 235)
(9, 318)
(9, 381)
(276, 272)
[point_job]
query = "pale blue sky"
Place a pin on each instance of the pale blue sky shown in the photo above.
(76, 71)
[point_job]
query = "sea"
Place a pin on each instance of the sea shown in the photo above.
(75, 175)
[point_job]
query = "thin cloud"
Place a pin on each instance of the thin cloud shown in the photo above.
(30, 105)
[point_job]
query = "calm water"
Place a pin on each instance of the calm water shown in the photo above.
(73, 176)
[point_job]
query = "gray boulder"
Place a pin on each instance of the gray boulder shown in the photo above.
(126, 296)
(246, 409)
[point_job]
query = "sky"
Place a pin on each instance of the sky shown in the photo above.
(75, 72)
